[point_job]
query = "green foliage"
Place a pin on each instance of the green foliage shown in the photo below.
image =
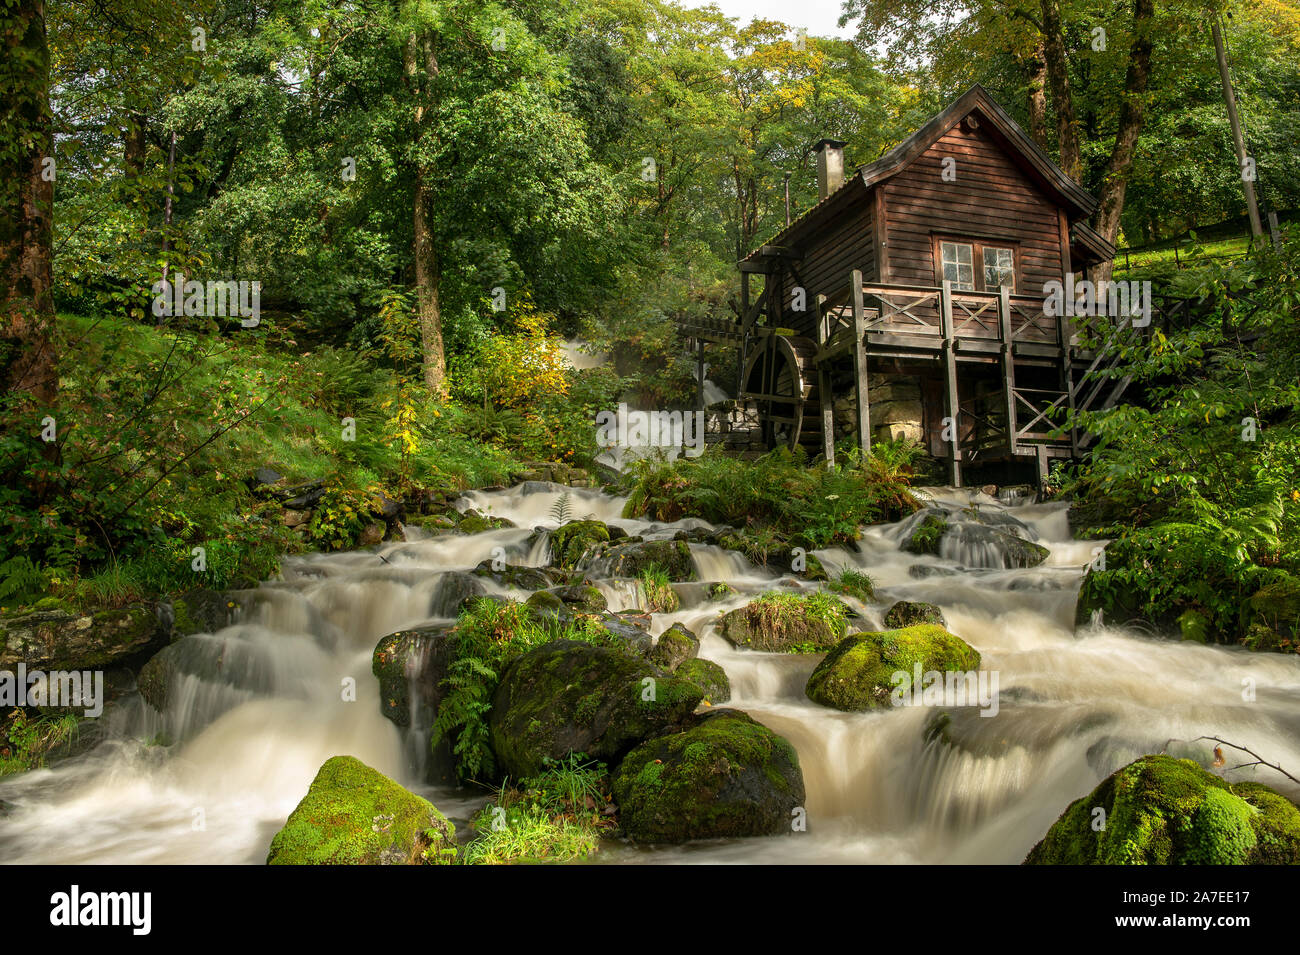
(656, 584)
(815, 506)
(1200, 483)
(855, 584)
(26, 743)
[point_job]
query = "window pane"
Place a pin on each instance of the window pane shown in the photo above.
(958, 265)
(999, 269)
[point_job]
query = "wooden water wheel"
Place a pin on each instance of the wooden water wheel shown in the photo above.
(780, 376)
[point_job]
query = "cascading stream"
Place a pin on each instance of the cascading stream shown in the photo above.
(266, 701)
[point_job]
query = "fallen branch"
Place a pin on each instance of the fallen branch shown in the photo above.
(1257, 761)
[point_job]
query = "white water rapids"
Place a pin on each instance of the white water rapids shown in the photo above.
(1073, 707)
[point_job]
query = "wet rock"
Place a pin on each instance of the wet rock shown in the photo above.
(631, 557)
(291, 518)
(628, 633)
(907, 613)
(410, 666)
(782, 622)
(583, 598)
(858, 674)
(985, 545)
(202, 611)
(522, 578)
(708, 676)
(472, 522)
(355, 815)
(454, 589)
(725, 776)
(674, 646)
(720, 590)
(1272, 615)
(1166, 811)
(572, 697)
(303, 497)
(371, 535)
(546, 606)
(68, 640)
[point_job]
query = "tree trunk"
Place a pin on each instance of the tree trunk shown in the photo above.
(428, 269)
(1132, 115)
(1037, 69)
(1058, 81)
(27, 358)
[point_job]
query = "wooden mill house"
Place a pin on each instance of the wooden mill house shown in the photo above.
(911, 300)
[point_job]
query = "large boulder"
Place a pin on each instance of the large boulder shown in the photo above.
(858, 674)
(512, 575)
(64, 639)
(674, 646)
(727, 775)
(573, 697)
(454, 588)
(355, 815)
(630, 558)
(708, 676)
(1165, 811)
(783, 622)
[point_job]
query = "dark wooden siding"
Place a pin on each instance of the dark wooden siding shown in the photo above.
(991, 198)
(827, 261)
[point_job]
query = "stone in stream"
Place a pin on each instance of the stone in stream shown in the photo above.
(472, 522)
(572, 697)
(783, 622)
(512, 575)
(907, 613)
(582, 597)
(410, 666)
(929, 526)
(708, 676)
(1165, 811)
(724, 776)
(674, 646)
(631, 557)
(573, 541)
(355, 815)
(55, 636)
(989, 538)
(859, 673)
(455, 588)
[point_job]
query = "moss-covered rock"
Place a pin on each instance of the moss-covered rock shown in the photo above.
(675, 646)
(1165, 811)
(727, 775)
(523, 578)
(928, 530)
(720, 590)
(907, 613)
(546, 606)
(572, 697)
(472, 522)
(783, 622)
(631, 558)
(454, 589)
(573, 541)
(583, 598)
(354, 815)
(203, 611)
(628, 633)
(858, 673)
(708, 676)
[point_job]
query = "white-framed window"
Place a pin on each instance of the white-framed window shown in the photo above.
(999, 268)
(958, 264)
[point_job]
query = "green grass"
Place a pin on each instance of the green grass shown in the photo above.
(657, 588)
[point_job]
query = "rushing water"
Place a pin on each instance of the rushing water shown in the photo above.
(251, 733)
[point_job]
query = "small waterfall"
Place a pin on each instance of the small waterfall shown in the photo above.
(258, 706)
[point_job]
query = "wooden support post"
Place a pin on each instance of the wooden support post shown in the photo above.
(1067, 377)
(1008, 366)
(824, 396)
(860, 364)
(744, 333)
(1041, 451)
(952, 403)
(700, 372)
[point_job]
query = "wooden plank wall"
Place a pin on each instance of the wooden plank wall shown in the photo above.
(991, 198)
(845, 245)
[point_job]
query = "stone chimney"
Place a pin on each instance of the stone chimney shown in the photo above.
(830, 166)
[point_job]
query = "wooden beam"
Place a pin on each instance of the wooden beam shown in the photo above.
(952, 403)
(1008, 366)
(700, 372)
(860, 363)
(824, 395)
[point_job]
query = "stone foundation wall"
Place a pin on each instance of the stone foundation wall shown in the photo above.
(896, 408)
(734, 425)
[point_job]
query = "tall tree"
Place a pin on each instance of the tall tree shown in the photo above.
(27, 359)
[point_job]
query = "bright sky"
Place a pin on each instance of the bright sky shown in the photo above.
(817, 17)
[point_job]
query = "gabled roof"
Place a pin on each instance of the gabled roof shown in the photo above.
(1088, 247)
(1077, 201)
